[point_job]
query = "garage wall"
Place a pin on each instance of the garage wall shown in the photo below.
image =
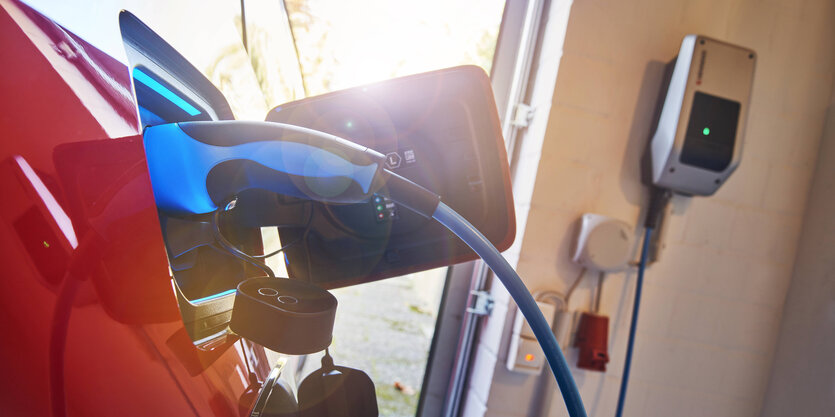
(803, 375)
(713, 303)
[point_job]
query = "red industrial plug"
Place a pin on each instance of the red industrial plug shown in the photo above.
(593, 341)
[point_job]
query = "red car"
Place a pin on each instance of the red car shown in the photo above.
(91, 325)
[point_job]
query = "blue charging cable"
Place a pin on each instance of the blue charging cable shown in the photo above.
(624, 382)
(491, 256)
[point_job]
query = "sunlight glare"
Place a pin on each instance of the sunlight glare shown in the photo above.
(345, 44)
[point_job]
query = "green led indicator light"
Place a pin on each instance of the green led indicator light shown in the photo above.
(379, 208)
(706, 131)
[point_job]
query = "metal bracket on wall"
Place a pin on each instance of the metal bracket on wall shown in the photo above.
(482, 303)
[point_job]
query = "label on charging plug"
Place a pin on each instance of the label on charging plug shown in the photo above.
(400, 158)
(384, 209)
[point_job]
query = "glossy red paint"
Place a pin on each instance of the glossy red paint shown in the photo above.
(90, 321)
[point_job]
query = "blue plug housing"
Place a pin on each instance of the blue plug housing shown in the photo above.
(195, 166)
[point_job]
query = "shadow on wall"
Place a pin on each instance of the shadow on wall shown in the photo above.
(644, 120)
(635, 177)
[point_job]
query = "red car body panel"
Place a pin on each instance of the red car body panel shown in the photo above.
(90, 322)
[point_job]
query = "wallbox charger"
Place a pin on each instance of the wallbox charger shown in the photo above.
(698, 141)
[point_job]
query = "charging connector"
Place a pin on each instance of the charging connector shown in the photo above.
(411, 195)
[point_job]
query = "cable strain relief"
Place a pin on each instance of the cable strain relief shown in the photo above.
(413, 196)
(658, 199)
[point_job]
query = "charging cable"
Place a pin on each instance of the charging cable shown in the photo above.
(624, 382)
(428, 204)
(659, 198)
(491, 256)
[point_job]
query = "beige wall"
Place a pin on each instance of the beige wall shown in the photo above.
(713, 303)
(803, 374)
